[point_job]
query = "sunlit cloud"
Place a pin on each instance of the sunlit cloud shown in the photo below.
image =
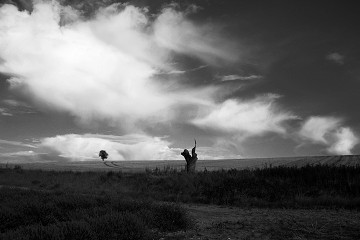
(328, 131)
(345, 140)
(126, 147)
(246, 118)
(19, 154)
(315, 129)
(104, 68)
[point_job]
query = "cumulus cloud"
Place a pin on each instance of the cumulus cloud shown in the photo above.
(102, 68)
(345, 140)
(247, 118)
(126, 147)
(106, 68)
(336, 58)
(316, 129)
(329, 132)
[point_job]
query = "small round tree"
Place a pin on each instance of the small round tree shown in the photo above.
(103, 155)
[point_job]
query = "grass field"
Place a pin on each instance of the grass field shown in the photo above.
(267, 199)
(210, 165)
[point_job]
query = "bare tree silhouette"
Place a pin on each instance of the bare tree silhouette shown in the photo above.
(190, 159)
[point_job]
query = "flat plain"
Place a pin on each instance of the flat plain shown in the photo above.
(210, 165)
(267, 198)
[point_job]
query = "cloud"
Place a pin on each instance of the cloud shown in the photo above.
(216, 153)
(173, 31)
(104, 69)
(126, 147)
(14, 107)
(238, 77)
(246, 118)
(16, 143)
(19, 154)
(186, 71)
(5, 112)
(316, 129)
(345, 140)
(21, 4)
(336, 58)
(328, 131)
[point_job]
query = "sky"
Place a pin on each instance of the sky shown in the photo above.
(142, 79)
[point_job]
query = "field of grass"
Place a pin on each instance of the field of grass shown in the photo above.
(27, 214)
(210, 165)
(309, 202)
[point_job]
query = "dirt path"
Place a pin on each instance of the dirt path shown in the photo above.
(215, 222)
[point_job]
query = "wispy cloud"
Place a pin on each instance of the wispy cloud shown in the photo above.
(5, 112)
(172, 30)
(16, 143)
(328, 131)
(235, 77)
(13, 107)
(186, 71)
(18, 154)
(14, 103)
(336, 58)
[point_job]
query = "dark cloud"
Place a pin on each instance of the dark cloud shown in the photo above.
(21, 4)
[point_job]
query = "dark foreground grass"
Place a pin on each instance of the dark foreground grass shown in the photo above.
(37, 204)
(36, 215)
(278, 187)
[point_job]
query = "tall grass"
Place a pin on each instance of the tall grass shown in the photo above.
(38, 215)
(306, 187)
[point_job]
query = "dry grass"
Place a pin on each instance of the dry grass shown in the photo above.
(317, 212)
(234, 223)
